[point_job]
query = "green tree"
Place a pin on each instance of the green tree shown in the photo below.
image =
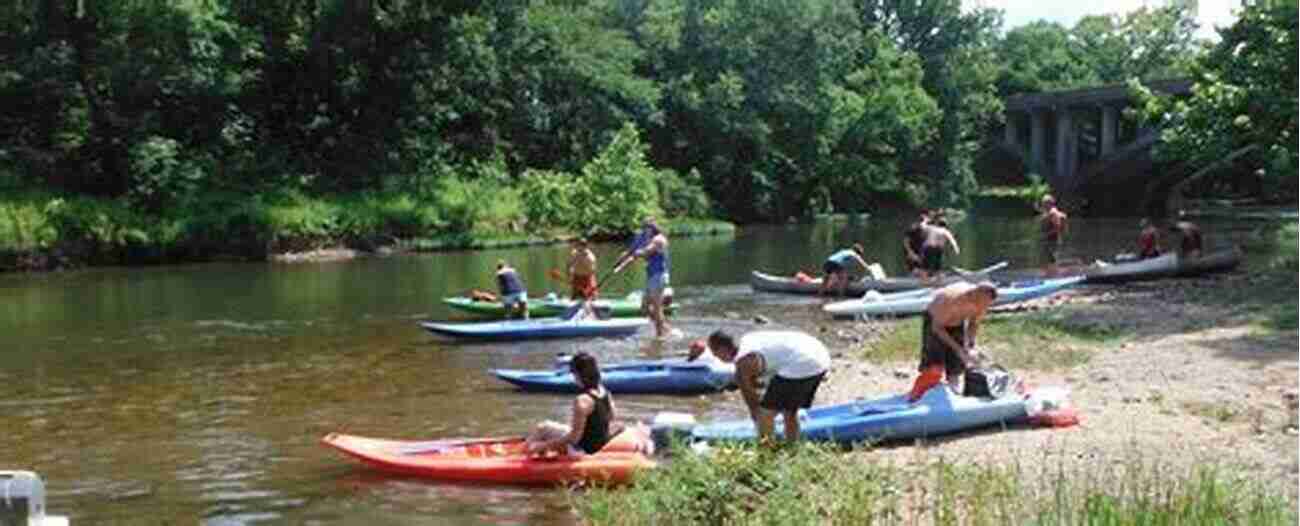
(1039, 57)
(1146, 44)
(1244, 101)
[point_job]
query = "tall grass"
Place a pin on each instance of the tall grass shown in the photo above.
(819, 484)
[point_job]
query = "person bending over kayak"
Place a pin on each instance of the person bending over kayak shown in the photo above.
(1052, 226)
(948, 330)
(1190, 246)
(937, 237)
(1148, 241)
(913, 238)
(836, 268)
(593, 422)
(794, 363)
(513, 294)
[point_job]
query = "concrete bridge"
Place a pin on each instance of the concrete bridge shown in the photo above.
(1079, 142)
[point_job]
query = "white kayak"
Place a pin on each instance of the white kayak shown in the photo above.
(915, 302)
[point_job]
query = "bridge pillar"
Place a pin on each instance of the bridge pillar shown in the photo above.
(1064, 141)
(1109, 129)
(1037, 133)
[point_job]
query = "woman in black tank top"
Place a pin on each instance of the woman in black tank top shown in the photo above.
(592, 424)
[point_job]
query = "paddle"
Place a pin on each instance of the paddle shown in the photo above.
(969, 275)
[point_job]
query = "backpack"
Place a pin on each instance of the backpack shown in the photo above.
(993, 381)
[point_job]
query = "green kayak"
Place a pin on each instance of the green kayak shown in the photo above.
(550, 305)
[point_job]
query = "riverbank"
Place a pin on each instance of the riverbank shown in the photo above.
(41, 232)
(1187, 391)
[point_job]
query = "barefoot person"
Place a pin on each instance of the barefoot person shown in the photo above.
(1148, 242)
(835, 268)
(794, 363)
(655, 253)
(593, 421)
(514, 297)
(937, 238)
(1052, 227)
(948, 332)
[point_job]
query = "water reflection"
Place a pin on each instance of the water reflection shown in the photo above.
(198, 393)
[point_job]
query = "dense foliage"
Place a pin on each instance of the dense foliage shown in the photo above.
(757, 111)
(1244, 104)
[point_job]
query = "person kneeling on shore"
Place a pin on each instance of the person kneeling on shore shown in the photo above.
(948, 331)
(794, 363)
(593, 422)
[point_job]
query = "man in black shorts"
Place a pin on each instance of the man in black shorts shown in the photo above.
(794, 364)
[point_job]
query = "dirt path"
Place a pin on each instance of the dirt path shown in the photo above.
(1188, 388)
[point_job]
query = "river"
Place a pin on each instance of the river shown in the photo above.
(198, 393)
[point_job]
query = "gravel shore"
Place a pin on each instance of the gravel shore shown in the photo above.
(1186, 386)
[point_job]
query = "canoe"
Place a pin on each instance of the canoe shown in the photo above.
(640, 377)
(548, 306)
(498, 460)
(1165, 266)
(769, 283)
(938, 412)
(534, 329)
(916, 303)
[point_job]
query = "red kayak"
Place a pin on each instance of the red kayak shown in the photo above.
(499, 460)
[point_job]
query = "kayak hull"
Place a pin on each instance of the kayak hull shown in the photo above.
(537, 329)
(938, 412)
(646, 377)
(498, 460)
(912, 303)
(626, 307)
(763, 282)
(1166, 266)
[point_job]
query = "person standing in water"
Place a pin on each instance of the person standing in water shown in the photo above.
(913, 238)
(514, 297)
(654, 251)
(1052, 227)
(1190, 245)
(937, 238)
(1148, 241)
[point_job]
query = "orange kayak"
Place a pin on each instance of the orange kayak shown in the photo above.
(499, 460)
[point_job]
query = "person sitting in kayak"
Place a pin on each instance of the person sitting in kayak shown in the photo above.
(913, 238)
(593, 422)
(836, 268)
(948, 330)
(513, 294)
(1148, 240)
(1190, 245)
(937, 237)
(794, 363)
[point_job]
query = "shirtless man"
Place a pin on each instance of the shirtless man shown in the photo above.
(948, 332)
(1148, 241)
(582, 271)
(937, 237)
(1052, 225)
(1190, 246)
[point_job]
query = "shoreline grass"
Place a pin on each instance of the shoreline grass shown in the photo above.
(821, 484)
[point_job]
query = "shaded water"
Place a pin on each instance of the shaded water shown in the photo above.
(198, 393)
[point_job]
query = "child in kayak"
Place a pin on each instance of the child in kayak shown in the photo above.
(593, 422)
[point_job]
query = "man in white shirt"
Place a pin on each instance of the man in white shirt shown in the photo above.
(794, 363)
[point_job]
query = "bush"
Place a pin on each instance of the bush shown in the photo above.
(160, 175)
(682, 196)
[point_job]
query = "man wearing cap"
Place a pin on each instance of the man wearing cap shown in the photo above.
(948, 331)
(793, 364)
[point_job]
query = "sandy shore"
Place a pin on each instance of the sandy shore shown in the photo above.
(1185, 387)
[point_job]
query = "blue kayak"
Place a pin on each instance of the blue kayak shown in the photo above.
(533, 329)
(915, 302)
(643, 377)
(938, 412)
